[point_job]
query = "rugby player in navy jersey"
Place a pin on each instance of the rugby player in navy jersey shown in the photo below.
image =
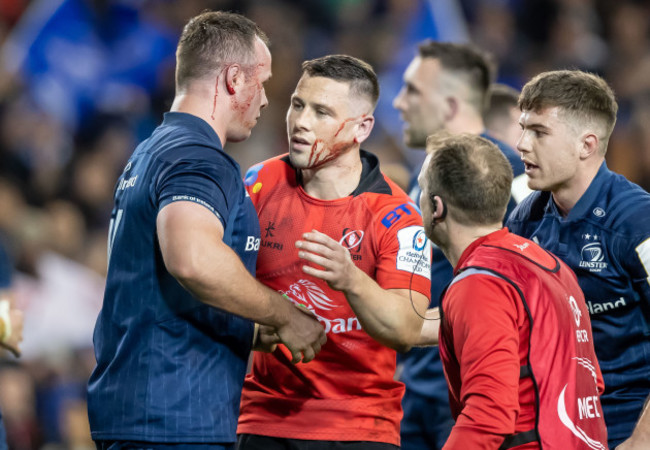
(174, 334)
(502, 114)
(445, 88)
(598, 222)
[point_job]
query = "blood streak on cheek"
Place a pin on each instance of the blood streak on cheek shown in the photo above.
(314, 154)
(318, 158)
(352, 119)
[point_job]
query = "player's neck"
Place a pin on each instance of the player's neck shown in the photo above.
(460, 237)
(335, 179)
(568, 194)
(469, 122)
(196, 105)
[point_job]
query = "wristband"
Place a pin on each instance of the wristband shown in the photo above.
(4, 315)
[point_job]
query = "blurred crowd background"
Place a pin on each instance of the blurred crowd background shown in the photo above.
(82, 81)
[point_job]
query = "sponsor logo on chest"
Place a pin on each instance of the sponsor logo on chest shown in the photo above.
(126, 183)
(269, 232)
(252, 244)
(308, 294)
(601, 307)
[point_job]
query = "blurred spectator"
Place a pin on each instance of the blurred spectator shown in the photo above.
(78, 57)
(502, 114)
(18, 404)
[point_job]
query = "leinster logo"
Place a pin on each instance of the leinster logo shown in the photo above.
(599, 212)
(593, 257)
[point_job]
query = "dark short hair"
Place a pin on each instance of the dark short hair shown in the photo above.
(477, 67)
(584, 96)
(471, 175)
(360, 74)
(212, 39)
(501, 99)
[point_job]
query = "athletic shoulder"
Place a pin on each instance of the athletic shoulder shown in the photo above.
(531, 208)
(627, 208)
(269, 172)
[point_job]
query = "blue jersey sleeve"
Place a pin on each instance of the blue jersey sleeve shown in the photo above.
(638, 262)
(6, 267)
(511, 221)
(640, 269)
(204, 182)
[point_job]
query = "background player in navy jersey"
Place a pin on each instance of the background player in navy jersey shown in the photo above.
(445, 88)
(173, 337)
(596, 221)
(502, 114)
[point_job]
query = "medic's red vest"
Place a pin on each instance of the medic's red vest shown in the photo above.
(561, 358)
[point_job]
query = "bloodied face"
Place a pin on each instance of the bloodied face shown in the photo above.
(323, 121)
(250, 97)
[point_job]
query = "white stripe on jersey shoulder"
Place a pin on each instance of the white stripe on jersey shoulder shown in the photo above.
(643, 250)
(520, 189)
(472, 271)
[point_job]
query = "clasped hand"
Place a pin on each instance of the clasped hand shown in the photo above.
(337, 267)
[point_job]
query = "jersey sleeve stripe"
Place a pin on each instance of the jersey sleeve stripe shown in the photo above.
(520, 189)
(643, 250)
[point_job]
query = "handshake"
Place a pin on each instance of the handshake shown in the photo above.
(302, 334)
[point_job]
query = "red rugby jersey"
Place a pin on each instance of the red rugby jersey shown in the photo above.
(348, 392)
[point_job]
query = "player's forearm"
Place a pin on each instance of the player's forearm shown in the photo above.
(385, 315)
(430, 328)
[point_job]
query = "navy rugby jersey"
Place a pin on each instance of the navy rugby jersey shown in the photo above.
(605, 239)
(422, 369)
(169, 367)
